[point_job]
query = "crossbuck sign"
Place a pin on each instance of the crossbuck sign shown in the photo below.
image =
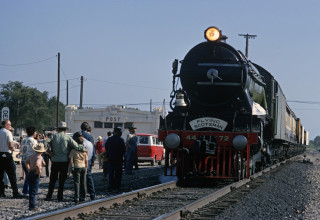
(5, 113)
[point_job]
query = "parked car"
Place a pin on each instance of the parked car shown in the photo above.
(149, 149)
(16, 151)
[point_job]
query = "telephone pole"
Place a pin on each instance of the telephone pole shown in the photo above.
(247, 36)
(67, 92)
(58, 92)
(81, 92)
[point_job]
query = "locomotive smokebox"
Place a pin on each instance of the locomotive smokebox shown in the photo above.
(213, 74)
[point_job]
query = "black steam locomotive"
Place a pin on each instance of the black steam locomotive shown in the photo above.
(229, 119)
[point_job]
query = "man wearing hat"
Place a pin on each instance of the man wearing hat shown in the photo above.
(34, 166)
(115, 150)
(131, 144)
(61, 145)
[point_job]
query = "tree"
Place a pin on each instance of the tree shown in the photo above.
(28, 106)
(316, 141)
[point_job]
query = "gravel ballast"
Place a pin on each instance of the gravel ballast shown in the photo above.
(291, 192)
(19, 208)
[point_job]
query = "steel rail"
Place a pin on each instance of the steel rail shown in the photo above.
(181, 212)
(96, 204)
(175, 214)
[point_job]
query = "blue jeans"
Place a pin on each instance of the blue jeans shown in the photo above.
(33, 188)
(90, 183)
(25, 189)
(130, 159)
(5, 179)
(80, 183)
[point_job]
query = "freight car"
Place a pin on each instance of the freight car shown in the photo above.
(229, 119)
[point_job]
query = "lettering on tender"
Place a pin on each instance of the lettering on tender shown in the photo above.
(208, 123)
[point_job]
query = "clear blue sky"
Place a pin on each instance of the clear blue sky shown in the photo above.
(124, 49)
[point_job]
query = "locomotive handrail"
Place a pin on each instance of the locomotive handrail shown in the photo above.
(219, 83)
(220, 64)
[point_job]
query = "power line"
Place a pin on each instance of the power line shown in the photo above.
(65, 89)
(306, 109)
(125, 84)
(66, 75)
(24, 64)
(127, 104)
(40, 83)
(304, 102)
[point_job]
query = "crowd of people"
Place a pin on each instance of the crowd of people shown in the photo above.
(67, 155)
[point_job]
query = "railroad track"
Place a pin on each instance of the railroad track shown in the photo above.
(164, 201)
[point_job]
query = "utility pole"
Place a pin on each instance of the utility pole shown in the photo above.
(247, 36)
(150, 105)
(67, 92)
(81, 92)
(58, 92)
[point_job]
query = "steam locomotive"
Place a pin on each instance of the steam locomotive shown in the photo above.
(229, 119)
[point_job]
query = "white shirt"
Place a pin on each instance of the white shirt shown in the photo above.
(5, 139)
(89, 146)
(26, 147)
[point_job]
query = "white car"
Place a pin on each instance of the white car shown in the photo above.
(15, 152)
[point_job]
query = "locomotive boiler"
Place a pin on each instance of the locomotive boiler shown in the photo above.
(229, 119)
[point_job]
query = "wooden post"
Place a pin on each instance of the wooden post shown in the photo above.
(58, 92)
(81, 92)
(67, 92)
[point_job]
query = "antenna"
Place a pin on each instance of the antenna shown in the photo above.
(247, 36)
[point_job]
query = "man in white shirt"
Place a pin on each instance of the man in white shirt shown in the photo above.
(6, 160)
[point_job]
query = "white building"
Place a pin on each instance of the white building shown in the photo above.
(103, 120)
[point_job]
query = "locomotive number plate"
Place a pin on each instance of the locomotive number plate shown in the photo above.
(189, 137)
(224, 138)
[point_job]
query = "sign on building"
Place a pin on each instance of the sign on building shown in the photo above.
(5, 113)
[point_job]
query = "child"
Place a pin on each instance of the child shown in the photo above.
(34, 165)
(79, 164)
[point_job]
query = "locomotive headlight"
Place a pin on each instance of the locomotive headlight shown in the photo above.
(212, 34)
(239, 142)
(172, 140)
